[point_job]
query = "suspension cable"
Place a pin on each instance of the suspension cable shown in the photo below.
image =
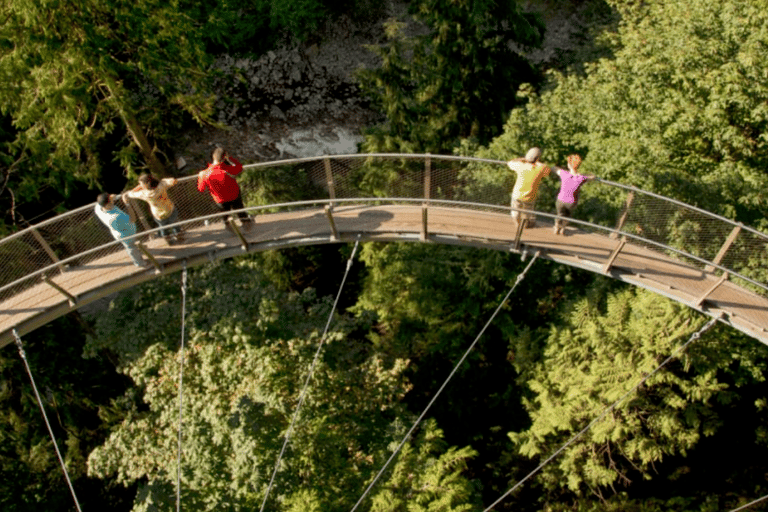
(744, 507)
(519, 278)
(45, 417)
(309, 376)
(694, 336)
(181, 381)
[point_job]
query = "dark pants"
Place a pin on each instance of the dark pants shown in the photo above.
(235, 204)
(171, 219)
(564, 210)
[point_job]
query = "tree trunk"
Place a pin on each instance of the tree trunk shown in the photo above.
(136, 132)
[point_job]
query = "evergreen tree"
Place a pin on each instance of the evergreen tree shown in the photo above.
(678, 109)
(73, 71)
(429, 302)
(428, 477)
(458, 80)
(603, 351)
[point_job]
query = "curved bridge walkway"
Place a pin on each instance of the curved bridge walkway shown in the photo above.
(708, 262)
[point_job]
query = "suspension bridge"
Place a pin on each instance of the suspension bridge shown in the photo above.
(710, 263)
(702, 260)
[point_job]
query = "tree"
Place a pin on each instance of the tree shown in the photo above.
(428, 476)
(458, 80)
(675, 110)
(603, 351)
(74, 71)
(247, 359)
(429, 302)
(73, 390)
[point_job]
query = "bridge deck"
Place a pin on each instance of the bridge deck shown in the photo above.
(640, 266)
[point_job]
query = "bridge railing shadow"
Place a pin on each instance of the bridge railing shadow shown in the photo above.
(707, 241)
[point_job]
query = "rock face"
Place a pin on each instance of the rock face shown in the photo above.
(283, 104)
(281, 85)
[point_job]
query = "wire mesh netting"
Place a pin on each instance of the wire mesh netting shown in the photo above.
(68, 241)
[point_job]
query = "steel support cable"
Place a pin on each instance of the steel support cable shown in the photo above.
(181, 381)
(303, 394)
(755, 502)
(45, 417)
(694, 336)
(519, 279)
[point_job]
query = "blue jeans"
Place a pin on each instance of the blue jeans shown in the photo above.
(173, 217)
(133, 252)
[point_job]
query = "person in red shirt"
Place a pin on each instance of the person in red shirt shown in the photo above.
(219, 179)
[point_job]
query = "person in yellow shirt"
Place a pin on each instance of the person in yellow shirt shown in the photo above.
(155, 193)
(529, 174)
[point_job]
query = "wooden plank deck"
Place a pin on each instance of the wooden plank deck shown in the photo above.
(112, 271)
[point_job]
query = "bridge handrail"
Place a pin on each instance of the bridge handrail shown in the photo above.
(615, 184)
(396, 200)
(52, 244)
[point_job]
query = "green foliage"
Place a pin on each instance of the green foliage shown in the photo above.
(298, 17)
(459, 80)
(428, 476)
(72, 390)
(391, 178)
(402, 279)
(363, 11)
(602, 352)
(238, 291)
(255, 26)
(429, 303)
(275, 184)
(679, 109)
(75, 71)
(16, 267)
(247, 357)
(224, 25)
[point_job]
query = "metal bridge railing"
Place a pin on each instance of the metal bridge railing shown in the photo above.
(705, 240)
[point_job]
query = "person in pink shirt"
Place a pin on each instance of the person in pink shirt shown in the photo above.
(219, 179)
(570, 182)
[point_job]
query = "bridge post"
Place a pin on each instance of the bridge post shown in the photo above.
(427, 192)
(329, 179)
(519, 233)
(624, 214)
(232, 225)
(329, 214)
(714, 287)
(614, 254)
(47, 248)
(71, 298)
(149, 256)
(724, 249)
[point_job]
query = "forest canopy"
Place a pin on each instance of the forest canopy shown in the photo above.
(666, 96)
